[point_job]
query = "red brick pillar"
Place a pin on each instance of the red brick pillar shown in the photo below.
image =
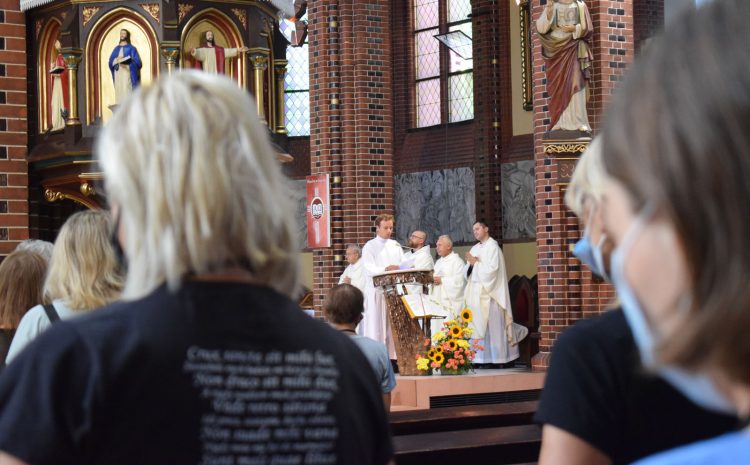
(566, 290)
(14, 182)
(350, 123)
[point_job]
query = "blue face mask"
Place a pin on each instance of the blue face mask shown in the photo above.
(591, 255)
(699, 388)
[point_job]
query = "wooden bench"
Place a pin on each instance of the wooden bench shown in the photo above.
(461, 418)
(497, 446)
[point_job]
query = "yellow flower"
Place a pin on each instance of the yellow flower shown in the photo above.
(463, 343)
(466, 315)
(456, 331)
(431, 354)
(453, 345)
(423, 364)
(438, 335)
(468, 332)
(439, 359)
(438, 350)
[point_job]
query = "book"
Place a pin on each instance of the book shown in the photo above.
(422, 305)
(57, 69)
(126, 60)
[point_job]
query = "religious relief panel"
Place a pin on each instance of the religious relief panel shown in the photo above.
(437, 202)
(519, 211)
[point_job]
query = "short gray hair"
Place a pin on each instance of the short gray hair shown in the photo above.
(197, 185)
(43, 248)
(355, 248)
(447, 239)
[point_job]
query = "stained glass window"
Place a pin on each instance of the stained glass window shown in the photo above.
(297, 90)
(444, 86)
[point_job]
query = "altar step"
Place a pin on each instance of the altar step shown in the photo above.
(461, 418)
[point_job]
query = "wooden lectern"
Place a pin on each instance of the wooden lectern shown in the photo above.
(408, 336)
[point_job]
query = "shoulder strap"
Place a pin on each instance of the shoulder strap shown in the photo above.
(49, 309)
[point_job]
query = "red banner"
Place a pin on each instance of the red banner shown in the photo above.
(318, 212)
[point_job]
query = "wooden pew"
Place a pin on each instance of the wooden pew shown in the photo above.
(497, 446)
(461, 418)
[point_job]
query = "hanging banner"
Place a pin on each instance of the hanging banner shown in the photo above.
(318, 212)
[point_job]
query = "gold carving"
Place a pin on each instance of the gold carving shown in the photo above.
(526, 73)
(241, 15)
(565, 147)
(182, 10)
(38, 27)
(89, 12)
(88, 189)
(153, 10)
(53, 196)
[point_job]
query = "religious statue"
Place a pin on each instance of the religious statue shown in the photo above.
(565, 29)
(210, 57)
(57, 105)
(125, 64)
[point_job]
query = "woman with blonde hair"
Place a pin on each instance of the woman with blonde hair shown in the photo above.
(83, 275)
(207, 354)
(21, 278)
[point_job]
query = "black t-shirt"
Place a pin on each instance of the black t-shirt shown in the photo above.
(597, 390)
(214, 374)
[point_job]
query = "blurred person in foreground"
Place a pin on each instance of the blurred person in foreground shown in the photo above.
(206, 359)
(83, 275)
(21, 279)
(676, 150)
(598, 406)
(343, 308)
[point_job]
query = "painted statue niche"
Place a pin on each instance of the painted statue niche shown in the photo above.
(121, 53)
(54, 103)
(565, 30)
(213, 43)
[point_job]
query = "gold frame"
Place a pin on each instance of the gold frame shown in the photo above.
(527, 73)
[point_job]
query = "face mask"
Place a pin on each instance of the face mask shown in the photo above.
(699, 388)
(591, 255)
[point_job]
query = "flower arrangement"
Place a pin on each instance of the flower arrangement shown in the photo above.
(450, 350)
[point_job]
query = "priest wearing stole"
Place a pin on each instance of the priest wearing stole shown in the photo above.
(449, 280)
(419, 257)
(353, 274)
(379, 255)
(488, 297)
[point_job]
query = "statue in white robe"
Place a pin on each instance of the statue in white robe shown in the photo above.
(379, 255)
(210, 56)
(488, 297)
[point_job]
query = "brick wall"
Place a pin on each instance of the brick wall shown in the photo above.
(13, 127)
(648, 19)
(351, 122)
(566, 290)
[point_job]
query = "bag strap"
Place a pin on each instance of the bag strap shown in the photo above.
(49, 309)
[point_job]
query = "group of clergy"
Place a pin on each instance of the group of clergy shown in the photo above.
(479, 284)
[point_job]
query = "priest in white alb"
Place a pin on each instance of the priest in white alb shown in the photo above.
(488, 297)
(419, 257)
(379, 255)
(449, 281)
(353, 274)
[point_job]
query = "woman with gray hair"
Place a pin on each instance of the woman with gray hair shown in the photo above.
(207, 355)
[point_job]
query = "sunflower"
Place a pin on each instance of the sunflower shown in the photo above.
(439, 359)
(456, 331)
(438, 349)
(431, 354)
(466, 315)
(452, 345)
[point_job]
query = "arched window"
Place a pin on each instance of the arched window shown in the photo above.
(297, 90)
(444, 84)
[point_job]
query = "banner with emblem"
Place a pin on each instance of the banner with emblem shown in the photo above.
(318, 212)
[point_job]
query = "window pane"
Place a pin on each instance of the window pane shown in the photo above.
(298, 70)
(428, 54)
(456, 62)
(458, 10)
(428, 103)
(461, 97)
(425, 14)
(297, 105)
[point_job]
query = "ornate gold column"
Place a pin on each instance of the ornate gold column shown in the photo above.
(72, 57)
(170, 51)
(259, 59)
(279, 68)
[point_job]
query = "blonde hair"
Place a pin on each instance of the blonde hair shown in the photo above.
(198, 187)
(84, 272)
(588, 177)
(21, 278)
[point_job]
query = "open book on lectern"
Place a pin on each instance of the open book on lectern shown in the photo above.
(421, 305)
